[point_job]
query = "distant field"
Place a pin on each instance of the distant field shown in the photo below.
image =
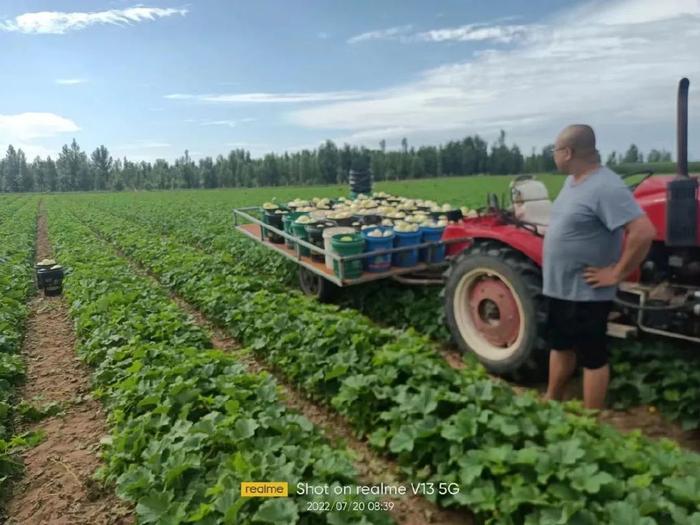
(463, 191)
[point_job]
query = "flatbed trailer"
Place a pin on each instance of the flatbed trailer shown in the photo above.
(315, 278)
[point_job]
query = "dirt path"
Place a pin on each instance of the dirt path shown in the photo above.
(57, 486)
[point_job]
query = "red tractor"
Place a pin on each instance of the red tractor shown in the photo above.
(493, 291)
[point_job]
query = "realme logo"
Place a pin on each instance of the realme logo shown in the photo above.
(270, 489)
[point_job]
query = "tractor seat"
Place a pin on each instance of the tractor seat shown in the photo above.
(531, 203)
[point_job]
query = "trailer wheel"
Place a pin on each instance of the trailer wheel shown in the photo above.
(316, 286)
(494, 307)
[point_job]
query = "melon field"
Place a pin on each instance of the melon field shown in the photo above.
(182, 360)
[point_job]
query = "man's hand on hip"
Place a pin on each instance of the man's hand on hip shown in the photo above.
(601, 277)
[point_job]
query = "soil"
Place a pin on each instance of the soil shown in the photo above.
(57, 486)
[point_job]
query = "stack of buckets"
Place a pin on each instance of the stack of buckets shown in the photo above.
(360, 182)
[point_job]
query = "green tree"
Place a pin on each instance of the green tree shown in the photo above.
(10, 170)
(417, 168)
(26, 176)
(209, 178)
(51, 175)
(72, 167)
(328, 162)
(632, 155)
(101, 165)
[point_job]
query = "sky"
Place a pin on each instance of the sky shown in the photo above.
(151, 80)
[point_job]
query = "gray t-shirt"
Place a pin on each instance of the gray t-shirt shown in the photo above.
(585, 229)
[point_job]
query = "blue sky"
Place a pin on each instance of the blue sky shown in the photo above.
(149, 80)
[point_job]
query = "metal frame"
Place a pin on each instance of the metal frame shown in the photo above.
(393, 272)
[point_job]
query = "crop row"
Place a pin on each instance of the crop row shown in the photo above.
(516, 459)
(17, 241)
(639, 376)
(210, 227)
(189, 424)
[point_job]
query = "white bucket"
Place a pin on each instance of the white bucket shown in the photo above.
(328, 233)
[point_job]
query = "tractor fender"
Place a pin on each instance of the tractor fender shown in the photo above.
(517, 238)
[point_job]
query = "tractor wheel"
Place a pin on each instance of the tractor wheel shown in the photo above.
(494, 307)
(316, 286)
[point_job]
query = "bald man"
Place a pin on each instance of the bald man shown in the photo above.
(585, 260)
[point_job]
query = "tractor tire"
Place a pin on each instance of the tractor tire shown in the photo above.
(494, 307)
(316, 286)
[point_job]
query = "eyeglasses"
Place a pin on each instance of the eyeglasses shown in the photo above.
(559, 149)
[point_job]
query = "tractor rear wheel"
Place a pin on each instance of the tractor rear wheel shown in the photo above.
(316, 286)
(494, 308)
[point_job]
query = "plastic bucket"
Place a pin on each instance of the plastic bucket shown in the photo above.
(299, 230)
(53, 281)
(287, 221)
(355, 246)
(274, 219)
(347, 221)
(315, 235)
(41, 270)
(328, 233)
(452, 215)
(434, 254)
(406, 258)
(378, 263)
(370, 219)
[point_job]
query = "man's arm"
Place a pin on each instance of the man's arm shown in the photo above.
(640, 234)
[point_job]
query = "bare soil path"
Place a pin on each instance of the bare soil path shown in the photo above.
(57, 486)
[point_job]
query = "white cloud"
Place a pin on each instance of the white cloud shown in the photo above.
(465, 33)
(322, 35)
(476, 32)
(28, 126)
(576, 67)
(70, 81)
(59, 23)
(227, 123)
(271, 98)
(390, 33)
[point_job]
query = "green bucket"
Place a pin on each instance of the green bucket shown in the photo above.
(355, 246)
(287, 222)
(299, 230)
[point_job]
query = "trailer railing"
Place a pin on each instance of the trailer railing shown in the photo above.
(248, 218)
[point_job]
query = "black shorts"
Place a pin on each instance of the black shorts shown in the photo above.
(580, 326)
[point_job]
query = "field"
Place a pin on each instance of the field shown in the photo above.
(202, 366)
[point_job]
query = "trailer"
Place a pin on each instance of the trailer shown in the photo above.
(317, 280)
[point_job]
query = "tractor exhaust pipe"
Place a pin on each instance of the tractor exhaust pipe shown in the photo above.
(682, 128)
(682, 192)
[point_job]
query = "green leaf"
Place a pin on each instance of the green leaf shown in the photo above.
(403, 440)
(623, 513)
(280, 511)
(244, 428)
(153, 507)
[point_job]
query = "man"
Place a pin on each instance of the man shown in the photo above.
(584, 261)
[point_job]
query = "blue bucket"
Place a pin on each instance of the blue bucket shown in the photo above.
(432, 234)
(406, 258)
(378, 263)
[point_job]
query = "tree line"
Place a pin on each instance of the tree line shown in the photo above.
(75, 170)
